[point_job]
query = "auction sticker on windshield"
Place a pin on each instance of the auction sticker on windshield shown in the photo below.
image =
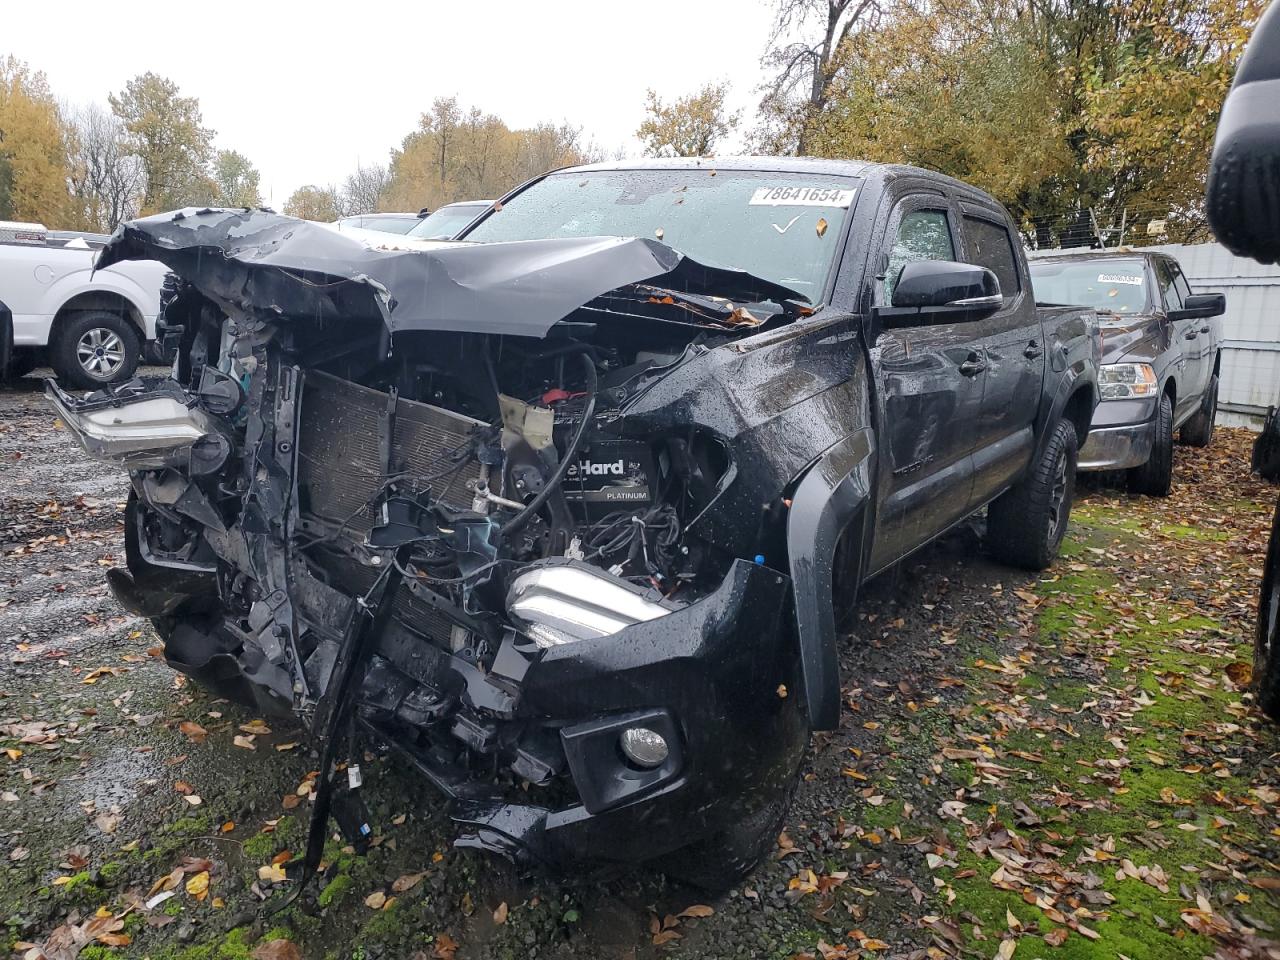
(1120, 278)
(802, 197)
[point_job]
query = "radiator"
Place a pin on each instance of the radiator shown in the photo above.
(340, 464)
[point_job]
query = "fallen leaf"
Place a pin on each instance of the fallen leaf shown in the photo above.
(276, 950)
(407, 882)
(500, 915)
(697, 910)
(198, 885)
(375, 900)
(195, 733)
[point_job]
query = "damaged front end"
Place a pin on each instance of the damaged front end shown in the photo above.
(500, 506)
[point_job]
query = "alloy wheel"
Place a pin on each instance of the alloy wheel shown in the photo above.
(1058, 495)
(100, 352)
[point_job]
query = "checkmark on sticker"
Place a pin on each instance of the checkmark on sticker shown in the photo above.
(790, 224)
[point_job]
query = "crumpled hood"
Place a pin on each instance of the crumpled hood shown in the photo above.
(261, 262)
(1124, 335)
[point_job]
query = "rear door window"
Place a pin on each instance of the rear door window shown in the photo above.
(922, 235)
(989, 245)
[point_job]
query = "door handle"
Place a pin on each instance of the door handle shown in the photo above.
(973, 366)
(1191, 335)
(1205, 328)
(1033, 351)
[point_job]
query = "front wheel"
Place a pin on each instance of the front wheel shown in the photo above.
(1266, 650)
(725, 858)
(95, 348)
(1026, 524)
(1155, 477)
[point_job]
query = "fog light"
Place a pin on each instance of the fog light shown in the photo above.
(644, 747)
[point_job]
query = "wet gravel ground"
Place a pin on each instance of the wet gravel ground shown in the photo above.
(118, 774)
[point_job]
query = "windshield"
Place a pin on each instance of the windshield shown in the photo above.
(445, 223)
(1113, 286)
(782, 227)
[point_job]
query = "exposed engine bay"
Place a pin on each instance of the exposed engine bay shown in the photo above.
(466, 461)
(528, 550)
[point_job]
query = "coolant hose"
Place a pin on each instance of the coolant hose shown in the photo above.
(517, 523)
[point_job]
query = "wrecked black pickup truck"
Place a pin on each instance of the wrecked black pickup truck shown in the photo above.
(566, 512)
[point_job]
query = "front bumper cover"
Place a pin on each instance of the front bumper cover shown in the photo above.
(1117, 448)
(1122, 435)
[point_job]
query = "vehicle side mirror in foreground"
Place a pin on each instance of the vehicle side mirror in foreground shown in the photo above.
(1243, 196)
(932, 292)
(1200, 305)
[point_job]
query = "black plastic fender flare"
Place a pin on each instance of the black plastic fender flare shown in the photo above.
(832, 494)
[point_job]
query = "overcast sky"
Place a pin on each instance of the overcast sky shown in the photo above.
(309, 90)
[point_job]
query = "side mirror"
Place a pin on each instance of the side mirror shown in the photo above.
(939, 291)
(1244, 176)
(1200, 305)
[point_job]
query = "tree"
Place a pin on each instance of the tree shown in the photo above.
(314, 203)
(804, 69)
(1071, 112)
(107, 180)
(467, 154)
(34, 143)
(168, 135)
(364, 190)
(1153, 121)
(236, 180)
(688, 127)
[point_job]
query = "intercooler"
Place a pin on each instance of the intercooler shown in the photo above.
(348, 450)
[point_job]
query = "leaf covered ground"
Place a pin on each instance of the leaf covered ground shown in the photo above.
(1054, 766)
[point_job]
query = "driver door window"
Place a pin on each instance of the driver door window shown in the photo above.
(1168, 289)
(922, 235)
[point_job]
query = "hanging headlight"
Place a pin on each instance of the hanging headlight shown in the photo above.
(567, 602)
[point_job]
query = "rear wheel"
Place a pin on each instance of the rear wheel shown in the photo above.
(1266, 655)
(1155, 477)
(95, 348)
(1026, 524)
(1198, 431)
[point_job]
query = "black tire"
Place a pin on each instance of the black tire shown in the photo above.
(1266, 649)
(1155, 477)
(1026, 524)
(23, 361)
(1198, 431)
(94, 348)
(728, 857)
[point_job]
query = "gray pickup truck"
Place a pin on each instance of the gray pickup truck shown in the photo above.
(1162, 347)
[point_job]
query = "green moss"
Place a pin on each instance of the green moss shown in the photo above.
(171, 907)
(95, 951)
(261, 847)
(234, 946)
(385, 925)
(336, 891)
(289, 832)
(80, 887)
(278, 933)
(190, 826)
(109, 873)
